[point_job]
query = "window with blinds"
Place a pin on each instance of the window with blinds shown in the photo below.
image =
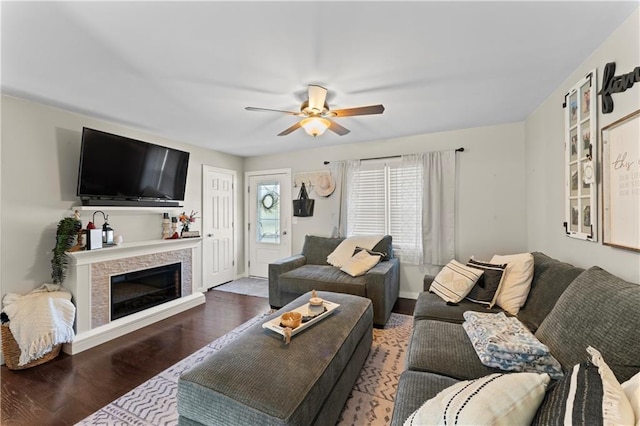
(388, 201)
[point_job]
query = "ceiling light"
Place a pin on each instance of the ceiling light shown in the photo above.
(315, 125)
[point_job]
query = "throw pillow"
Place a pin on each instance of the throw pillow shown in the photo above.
(455, 281)
(589, 394)
(507, 399)
(485, 291)
(344, 251)
(360, 264)
(517, 281)
(631, 388)
(382, 254)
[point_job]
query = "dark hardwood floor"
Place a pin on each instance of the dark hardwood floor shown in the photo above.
(69, 388)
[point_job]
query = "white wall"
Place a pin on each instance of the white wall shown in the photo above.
(40, 153)
(491, 216)
(544, 135)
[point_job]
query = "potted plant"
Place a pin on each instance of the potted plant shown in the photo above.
(66, 233)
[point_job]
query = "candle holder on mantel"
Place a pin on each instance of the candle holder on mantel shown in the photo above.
(166, 226)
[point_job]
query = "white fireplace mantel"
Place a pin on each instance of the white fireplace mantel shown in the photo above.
(127, 257)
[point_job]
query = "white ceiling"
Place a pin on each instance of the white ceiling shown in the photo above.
(185, 71)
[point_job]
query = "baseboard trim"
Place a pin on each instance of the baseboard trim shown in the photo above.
(122, 326)
(408, 295)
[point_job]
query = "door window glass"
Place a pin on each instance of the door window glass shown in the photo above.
(268, 214)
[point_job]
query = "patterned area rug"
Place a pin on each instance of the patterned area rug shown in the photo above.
(370, 402)
(250, 286)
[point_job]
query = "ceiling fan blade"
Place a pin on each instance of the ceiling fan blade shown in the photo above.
(290, 129)
(271, 110)
(336, 128)
(317, 97)
(365, 110)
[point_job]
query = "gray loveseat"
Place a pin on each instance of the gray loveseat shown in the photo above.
(301, 273)
(568, 309)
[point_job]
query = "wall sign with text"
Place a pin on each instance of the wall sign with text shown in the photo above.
(580, 160)
(621, 183)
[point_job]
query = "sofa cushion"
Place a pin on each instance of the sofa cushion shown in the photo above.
(455, 281)
(316, 249)
(414, 388)
(509, 399)
(550, 278)
(444, 348)
(431, 306)
(597, 309)
(322, 277)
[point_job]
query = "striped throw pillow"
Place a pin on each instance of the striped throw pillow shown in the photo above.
(507, 399)
(589, 394)
(455, 281)
(486, 289)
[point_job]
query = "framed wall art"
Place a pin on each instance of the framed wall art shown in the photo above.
(621, 183)
(580, 160)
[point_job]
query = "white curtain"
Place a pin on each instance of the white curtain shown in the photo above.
(438, 213)
(407, 187)
(349, 196)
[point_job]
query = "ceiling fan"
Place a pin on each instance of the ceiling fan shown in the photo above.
(317, 115)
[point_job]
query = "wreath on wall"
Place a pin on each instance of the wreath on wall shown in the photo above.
(269, 200)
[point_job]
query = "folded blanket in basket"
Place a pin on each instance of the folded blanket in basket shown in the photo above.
(40, 320)
(505, 343)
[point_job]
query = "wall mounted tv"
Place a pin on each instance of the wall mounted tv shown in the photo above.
(119, 171)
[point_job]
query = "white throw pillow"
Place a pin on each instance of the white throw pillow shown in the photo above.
(345, 249)
(360, 263)
(516, 284)
(455, 281)
(497, 399)
(632, 389)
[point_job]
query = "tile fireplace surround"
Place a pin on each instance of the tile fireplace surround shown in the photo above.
(89, 281)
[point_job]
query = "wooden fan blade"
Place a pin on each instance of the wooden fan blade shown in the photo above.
(290, 129)
(338, 129)
(271, 110)
(317, 97)
(365, 110)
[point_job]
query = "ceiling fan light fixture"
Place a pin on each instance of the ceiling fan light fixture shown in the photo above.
(315, 126)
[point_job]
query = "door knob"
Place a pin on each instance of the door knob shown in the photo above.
(209, 235)
(284, 232)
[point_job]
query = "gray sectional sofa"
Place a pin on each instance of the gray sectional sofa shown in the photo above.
(568, 309)
(293, 276)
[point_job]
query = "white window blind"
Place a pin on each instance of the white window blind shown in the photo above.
(388, 200)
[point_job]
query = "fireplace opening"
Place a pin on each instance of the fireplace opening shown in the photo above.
(136, 291)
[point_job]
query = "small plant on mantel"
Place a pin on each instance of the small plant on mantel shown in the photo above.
(66, 233)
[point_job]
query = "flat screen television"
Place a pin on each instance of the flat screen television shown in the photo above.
(115, 170)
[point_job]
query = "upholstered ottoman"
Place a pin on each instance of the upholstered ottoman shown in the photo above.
(257, 379)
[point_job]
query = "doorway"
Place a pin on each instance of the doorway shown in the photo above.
(218, 238)
(268, 201)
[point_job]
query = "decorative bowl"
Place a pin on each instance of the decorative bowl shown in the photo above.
(291, 319)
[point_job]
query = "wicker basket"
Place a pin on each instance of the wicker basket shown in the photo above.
(11, 351)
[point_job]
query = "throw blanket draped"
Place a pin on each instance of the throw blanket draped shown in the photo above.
(505, 343)
(345, 249)
(40, 320)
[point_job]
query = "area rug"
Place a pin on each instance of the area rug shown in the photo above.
(153, 403)
(250, 286)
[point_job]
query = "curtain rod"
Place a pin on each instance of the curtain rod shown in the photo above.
(461, 149)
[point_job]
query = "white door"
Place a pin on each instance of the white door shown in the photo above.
(268, 220)
(218, 255)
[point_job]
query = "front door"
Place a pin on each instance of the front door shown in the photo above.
(218, 255)
(269, 210)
